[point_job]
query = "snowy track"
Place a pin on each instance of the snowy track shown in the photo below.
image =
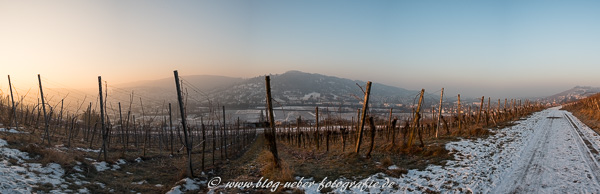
(558, 158)
(549, 152)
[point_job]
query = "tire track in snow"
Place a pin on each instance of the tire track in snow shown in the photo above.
(535, 167)
(586, 149)
(534, 155)
(556, 158)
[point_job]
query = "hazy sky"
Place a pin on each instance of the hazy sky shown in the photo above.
(492, 48)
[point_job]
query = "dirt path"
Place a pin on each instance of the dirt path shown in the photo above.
(558, 158)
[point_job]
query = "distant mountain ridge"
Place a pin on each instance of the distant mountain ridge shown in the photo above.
(576, 93)
(295, 87)
(289, 88)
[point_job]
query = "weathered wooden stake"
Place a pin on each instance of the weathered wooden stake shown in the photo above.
(393, 128)
(389, 125)
(363, 118)
(214, 142)
(459, 115)
(224, 134)
(373, 129)
(317, 127)
(190, 172)
(171, 130)
(102, 130)
(439, 113)
(416, 119)
(203, 140)
(121, 126)
(44, 109)
(487, 113)
(14, 109)
(271, 140)
(480, 109)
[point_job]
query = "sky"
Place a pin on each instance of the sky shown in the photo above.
(501, 49)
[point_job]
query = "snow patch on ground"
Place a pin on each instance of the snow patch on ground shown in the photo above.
(393, 167)
(17, 176)
(84, 190)
(11, 130)
(87, 150)
(102, 166)
(185, 185)
(140, 182)
(102, 185)
(121, 162)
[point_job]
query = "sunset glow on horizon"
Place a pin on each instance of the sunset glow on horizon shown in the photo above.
(497, 48)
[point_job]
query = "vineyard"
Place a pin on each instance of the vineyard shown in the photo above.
(161, 147)
(587, 109)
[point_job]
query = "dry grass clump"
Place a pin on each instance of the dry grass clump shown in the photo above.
(283, 174)
(17, 139)
(435, 151)
(387, 161)
(49, 155)
(410, 150)
(479, 132)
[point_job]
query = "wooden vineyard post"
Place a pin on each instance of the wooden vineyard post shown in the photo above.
(513, 102)
(317, 127)
(459, 115)
(44, 109)
(499, 108)
(121, 126)
(343, 132)
(203, 141)
(416, 119)
(237, 136)
(144, 130)
(298, 132)
(214, 142)
(14, 109)
(271, 139)
(487, 113)
(393, 128)
(71, 131)
(135, 133)
(171, 130)
(363, 118)
(439, 113)
(224, 133)
(60, 117)
(102, 130)
(480, 109)
(468, 117)
(519, 108)
(188, 148)
(357, 123)
(373, 129)
(327, 133)
(127, 124)
(387, 134)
